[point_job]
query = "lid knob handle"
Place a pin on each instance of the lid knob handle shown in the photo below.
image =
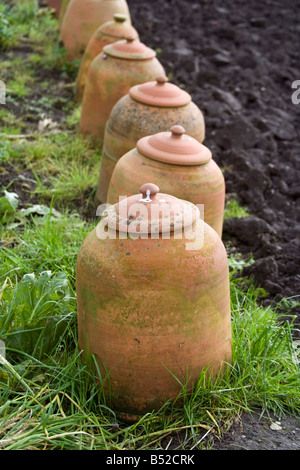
(161, 80)
(148, 190)
(177, 131)
(120, 18)
(131, 37)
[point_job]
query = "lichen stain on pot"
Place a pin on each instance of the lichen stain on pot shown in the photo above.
(146, 317)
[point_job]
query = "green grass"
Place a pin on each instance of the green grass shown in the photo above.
(33, 74)
(23, 21)
(65, 166)
(50, 399)
(10, 123)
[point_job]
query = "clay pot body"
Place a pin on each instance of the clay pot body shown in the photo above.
(107, 33)
(191, 174)
(83, 18)
(147, 109)
(63, 9)
(149, 308)
(56, 5)
(109, 78)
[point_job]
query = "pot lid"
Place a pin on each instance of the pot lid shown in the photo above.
(118, 28)
(160, 93)
(129, 48)
(175, 147)
(150, 213)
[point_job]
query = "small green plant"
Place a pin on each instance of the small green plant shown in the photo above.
(35, 313)
(8, 206)
(233, 209)
(18, 87)
(4, 151)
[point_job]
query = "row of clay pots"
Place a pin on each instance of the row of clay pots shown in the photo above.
(119, 108)
(153, 312)
(147, 110)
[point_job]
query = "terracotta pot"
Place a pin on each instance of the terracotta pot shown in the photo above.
(149, 306)
(109, 32)
(112, 73)
(180, 165)
(148, 108)
(83, 18)
(56, 5)
(63, 9)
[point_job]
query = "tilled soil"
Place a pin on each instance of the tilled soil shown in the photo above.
(255, 432)
(238, 60)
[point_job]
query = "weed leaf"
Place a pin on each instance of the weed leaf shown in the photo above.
(36, 313)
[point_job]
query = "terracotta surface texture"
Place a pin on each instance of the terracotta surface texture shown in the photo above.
(112, 73)
(83, 18)
(147, 109)
(107, 33)
(153, 312)
(56, 5)
(180, 165)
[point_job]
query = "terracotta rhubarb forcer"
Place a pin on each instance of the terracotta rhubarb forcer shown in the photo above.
(112, 73)
(152, 311)
(147, 109)
(83, 18)
(107, 33)
(181, 165)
